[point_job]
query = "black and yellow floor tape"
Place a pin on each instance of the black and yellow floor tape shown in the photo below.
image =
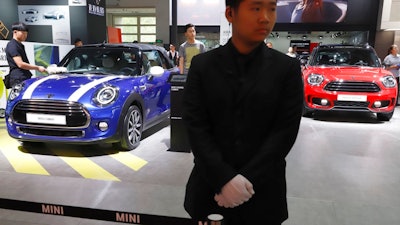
(23, 161)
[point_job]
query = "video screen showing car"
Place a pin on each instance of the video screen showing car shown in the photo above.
(311, 11)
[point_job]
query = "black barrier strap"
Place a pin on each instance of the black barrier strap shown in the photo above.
(96, 214)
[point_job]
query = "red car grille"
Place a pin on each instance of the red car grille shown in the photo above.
(348, 86)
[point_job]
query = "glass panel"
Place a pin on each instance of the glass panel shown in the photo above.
(148, 20)
(148, 38)
(129, 38)
(148, 29)
(128, 29)
(125, 20)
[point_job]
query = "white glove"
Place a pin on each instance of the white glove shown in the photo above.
(235, 192)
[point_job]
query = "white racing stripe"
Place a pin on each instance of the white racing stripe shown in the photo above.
(33, 86)
(83, 89)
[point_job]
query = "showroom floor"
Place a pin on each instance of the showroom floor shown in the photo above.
(343, 170)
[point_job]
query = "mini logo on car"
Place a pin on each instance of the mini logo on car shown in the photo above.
(50, 95)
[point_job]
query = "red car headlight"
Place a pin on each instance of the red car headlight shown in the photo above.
(388, 81)
(315, 79)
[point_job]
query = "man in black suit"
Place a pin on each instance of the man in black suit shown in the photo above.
(242, 108)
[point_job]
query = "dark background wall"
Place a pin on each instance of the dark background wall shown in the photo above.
(96, 25)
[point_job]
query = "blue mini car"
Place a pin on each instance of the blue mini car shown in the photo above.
(103, 93)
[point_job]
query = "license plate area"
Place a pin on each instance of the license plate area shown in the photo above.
(46, 119)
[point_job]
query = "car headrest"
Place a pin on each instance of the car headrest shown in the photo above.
(108, 62)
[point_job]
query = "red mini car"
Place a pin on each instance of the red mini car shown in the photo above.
(348, 78)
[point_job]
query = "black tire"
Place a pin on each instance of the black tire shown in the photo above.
(384, 116)
(132, 129)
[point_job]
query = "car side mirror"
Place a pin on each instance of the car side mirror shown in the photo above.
(156, 71)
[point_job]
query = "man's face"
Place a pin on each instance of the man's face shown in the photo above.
(254, 20)
(190, 33)
(20, 35)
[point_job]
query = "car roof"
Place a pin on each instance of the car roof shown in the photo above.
(140, 46)
(364, 46)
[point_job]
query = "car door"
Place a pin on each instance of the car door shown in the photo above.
(157, 95)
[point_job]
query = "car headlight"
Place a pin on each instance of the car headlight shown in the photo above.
(315, 79)
(389, 81)
(15, 91)
(105, 95)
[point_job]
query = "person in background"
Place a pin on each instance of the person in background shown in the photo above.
(78, 42)
(291, 52)
(239, 128)
(173, 54)
(16, 56)
(189, 48)
(392, 63)
(269, 44)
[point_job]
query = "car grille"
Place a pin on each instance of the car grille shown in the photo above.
(348, 86)
(350, 105)
(75, 113)
(52, 132)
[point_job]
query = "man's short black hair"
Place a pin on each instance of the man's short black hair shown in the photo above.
(20, 26)
(189, 25)
(233, 3)
(77, 40)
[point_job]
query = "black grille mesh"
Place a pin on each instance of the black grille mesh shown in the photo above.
(74, 112)
(349, 86)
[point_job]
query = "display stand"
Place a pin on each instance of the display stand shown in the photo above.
(179, 140)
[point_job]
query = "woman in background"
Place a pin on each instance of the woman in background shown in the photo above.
(308, 11)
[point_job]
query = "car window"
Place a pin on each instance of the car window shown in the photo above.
(114, 61)
(345, 57)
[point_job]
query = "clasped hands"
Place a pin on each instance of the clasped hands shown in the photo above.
(234, 193)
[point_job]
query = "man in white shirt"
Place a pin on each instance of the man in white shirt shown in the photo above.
(392, 63)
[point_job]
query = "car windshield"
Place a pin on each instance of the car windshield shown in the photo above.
(115, 61)
(345, 57)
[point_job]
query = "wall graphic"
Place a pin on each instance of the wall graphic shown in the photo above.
(3, 30)
(38, 53)
(56, 16)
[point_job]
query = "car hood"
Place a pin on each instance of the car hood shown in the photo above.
(348, 73)
(65, 86)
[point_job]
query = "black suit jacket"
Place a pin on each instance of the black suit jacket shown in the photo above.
(241, 125)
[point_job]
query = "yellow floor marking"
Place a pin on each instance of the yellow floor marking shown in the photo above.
(129, 160)
(20, 161)
(85, 166)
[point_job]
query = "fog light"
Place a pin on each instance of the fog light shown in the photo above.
(103, 126)
(377, 104)
(324, 102)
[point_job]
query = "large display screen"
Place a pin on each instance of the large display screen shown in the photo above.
(311, 11)
(210, 12)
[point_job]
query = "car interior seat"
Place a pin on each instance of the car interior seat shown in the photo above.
(108, 62)
(324, 60)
